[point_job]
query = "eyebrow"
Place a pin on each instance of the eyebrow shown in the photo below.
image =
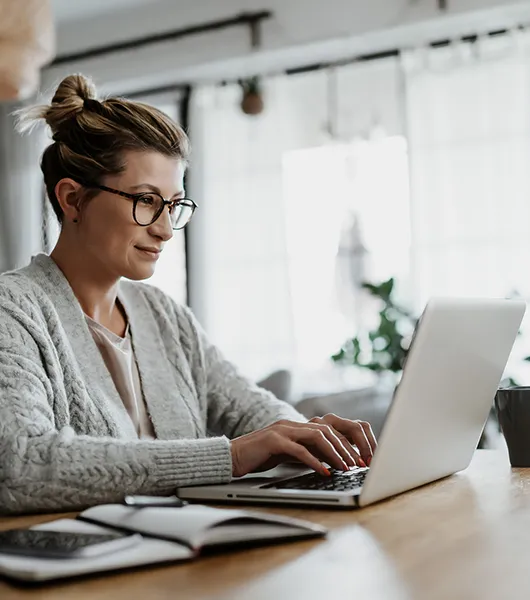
(155, 189)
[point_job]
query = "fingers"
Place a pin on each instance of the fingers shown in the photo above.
(304, 456)
(319, 444)
(369, 434)
(329, 439)
(348, 453)
(341, 444)
(358, 432)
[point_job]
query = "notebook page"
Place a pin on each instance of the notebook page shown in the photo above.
(233, 533)
(187, 524)
(194, 523)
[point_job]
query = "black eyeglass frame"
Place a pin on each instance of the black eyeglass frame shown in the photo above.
(136, 197)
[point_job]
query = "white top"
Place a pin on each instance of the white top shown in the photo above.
(117, 352)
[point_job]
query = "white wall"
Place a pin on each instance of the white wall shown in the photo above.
(301, 32)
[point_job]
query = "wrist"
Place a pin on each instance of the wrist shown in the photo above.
(233, 454)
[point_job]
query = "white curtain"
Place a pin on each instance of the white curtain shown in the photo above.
(239, 280)
(264, 240)
(346, 199)
(468, 112)
(452, 124)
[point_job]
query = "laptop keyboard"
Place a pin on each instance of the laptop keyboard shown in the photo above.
(340, 481)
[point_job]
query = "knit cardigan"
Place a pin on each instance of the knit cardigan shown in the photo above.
(66, 440)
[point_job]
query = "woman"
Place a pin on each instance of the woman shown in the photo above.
(107, 387)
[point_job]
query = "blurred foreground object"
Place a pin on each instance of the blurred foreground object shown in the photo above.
(27, 42)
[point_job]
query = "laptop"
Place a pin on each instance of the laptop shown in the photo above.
(454, 365)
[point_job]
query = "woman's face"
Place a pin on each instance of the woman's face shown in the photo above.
(107, 228)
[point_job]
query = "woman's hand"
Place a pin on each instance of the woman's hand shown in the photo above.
(341, 443)
(352, 433)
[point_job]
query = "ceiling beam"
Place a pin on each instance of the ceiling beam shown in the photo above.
(252, 19)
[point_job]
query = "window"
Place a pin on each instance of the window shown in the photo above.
(252, 286)
(468, 109)
(347, 213)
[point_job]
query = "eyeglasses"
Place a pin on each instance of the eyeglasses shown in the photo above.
(148, 206)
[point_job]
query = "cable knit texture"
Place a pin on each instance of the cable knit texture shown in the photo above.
(66, 440)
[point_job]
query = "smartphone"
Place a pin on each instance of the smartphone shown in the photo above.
(62, 544)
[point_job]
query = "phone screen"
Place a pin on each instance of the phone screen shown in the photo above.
(57, 544)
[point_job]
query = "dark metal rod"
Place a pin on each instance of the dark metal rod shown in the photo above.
(321, 66)
(177, 87)
(383, 54)
(246, 18)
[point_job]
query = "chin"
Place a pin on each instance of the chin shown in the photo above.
(138, 273)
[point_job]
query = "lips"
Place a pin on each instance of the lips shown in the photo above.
(149, 249)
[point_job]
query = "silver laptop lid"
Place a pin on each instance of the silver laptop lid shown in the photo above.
(439, 409)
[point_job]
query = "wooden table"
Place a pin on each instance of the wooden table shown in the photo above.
(464, 537)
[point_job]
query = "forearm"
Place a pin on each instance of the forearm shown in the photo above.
(62, 471)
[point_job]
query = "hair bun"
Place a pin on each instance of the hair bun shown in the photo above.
(75, 88)
(91, 104)
(68, 102)
(73, 94)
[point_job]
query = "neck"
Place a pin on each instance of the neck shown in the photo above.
(95, 289)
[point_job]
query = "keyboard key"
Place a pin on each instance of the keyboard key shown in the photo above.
(340, 481)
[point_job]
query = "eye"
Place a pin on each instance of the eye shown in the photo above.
(148, 199)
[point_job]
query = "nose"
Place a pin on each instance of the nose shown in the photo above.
(162, 227)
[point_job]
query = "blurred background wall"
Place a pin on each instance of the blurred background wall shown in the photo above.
(393, 142)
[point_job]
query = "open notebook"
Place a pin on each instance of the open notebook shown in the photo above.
(167, 534)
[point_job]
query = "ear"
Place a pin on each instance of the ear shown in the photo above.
(68, 193)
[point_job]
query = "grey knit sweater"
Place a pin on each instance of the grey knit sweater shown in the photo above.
(66, 440)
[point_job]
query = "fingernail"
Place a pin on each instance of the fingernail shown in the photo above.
(326, 472)
(362, 463)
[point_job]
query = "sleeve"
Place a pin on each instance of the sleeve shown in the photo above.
(45, 468)
(236, 405)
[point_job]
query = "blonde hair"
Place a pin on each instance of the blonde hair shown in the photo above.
(90, 135)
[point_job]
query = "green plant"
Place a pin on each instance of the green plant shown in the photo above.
(385, 347)
(251, 85)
